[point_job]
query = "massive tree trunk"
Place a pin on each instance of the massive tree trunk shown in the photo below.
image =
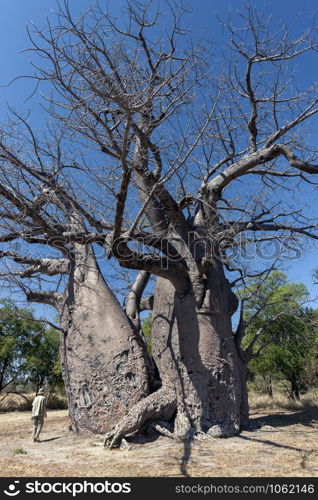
(202, 374)
(196, 354)
(103, 359)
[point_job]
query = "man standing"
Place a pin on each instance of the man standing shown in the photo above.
(38, 414)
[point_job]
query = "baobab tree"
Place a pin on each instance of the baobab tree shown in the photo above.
(167, 160)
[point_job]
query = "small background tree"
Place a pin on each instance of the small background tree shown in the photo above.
(29, 351)
(41, 360)
(288, 338)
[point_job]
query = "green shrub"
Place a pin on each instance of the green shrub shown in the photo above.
(56, 402)
(20, 451)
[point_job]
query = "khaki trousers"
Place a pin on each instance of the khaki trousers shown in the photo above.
(37, 426)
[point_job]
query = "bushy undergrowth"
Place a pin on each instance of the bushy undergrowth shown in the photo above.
(281, 401)
(15, 402)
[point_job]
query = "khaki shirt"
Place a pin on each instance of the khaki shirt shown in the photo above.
(39, 406)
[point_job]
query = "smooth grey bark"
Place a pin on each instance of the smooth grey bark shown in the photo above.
(196, 354)
(103, 359)
(202, 373)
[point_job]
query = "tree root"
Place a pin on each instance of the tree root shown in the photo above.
(161, 427)
(224, 430)
(124, 446)
(158, 405)
(183, 429)
(156, 410)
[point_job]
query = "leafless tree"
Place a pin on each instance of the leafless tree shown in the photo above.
(167, 159)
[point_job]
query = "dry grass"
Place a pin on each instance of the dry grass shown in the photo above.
(282, 443)
(281, 401)
(16, 402)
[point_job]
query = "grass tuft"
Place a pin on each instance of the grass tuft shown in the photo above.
(20, 451)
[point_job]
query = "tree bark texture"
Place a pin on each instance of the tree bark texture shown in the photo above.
(103, 360)
(196, 355)
(203, 377)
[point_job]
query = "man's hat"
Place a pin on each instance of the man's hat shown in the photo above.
(41, 391)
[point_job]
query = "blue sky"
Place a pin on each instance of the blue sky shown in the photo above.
(15, 14)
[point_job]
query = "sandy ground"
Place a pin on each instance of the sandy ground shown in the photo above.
(279, 444)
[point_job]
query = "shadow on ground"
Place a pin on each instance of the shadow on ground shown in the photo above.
(306, 417)
(50, 439)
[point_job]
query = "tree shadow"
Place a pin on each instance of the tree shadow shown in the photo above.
(50, 439)
(276, 445)
(186, 457)
(147, 437)
(307, 417)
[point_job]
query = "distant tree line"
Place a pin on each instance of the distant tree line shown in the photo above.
(283, 331)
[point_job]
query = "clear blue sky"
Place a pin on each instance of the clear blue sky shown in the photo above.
(15, 14)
